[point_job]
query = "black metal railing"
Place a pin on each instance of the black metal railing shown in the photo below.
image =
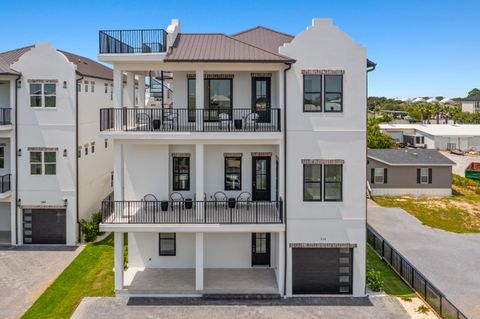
(5, 118)
(414, 278)
(5, 184)
(190, 120)
(132, 41)
(192, 212)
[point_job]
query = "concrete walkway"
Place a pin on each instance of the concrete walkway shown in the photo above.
(26, 272)
(450, 261)
(383, 307)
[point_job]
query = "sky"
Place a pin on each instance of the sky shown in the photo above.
(422, 47)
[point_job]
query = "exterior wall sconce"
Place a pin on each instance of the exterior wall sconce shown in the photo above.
(19, 152)
(64, 84)
(19, 84)
(19, 202)
(65, 153)
(65, 202)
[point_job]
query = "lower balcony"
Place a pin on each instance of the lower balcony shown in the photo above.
(192, 212)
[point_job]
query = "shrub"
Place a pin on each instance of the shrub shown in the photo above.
(374, 279)
(90, 229)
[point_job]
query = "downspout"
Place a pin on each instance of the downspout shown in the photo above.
(16, 159)
(77, 205)
(285, 175)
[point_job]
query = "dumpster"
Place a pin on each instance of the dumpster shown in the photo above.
(473, 171)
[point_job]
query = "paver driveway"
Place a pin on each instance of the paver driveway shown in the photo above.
(450, 261)
(25, 272)
(384, 307)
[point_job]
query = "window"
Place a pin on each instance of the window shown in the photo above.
(86, 86)
(106, 143)
(424, 175)
(92, 86)
(2, 157)
(191, 103)
(79, 152)
(312, 93)
(86, 149)
(167, 244)
(43, 94)
(106, 88)
(111, 179)
(181, 173)
(333, 93)
(79, 87)
(379, 175)
(233, 173)
(218, 98)
(43, 162)
(332, 183)
(93, 148)
(312, 182)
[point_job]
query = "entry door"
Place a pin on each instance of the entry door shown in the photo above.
(261, 178)
(261, 249)
(261, 98)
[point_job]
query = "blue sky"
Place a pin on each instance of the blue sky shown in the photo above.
(423, 48)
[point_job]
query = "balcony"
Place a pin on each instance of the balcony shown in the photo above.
(189, 120)
(5, 185)
(5, 118)
(192, 212)
(132, 41)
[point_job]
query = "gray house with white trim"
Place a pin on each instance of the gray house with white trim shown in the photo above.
(417, 172)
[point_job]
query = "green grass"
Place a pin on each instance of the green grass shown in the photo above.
(90, 274)
(393, 285)
(459, 213)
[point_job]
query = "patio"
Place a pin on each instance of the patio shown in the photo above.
(178, 281)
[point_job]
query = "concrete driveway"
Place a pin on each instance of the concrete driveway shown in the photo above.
(451, 261)
(25, 273)
(384, 307)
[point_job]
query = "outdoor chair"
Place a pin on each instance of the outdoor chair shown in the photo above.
(143, 122)
(244, 199)
(177, 199)
(250, 121)
(220, 199)
(223, 121)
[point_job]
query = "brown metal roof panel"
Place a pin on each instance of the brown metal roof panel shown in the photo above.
(264, 38)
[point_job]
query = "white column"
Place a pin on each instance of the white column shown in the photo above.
(280, 96)
(199, 98)
(118, 251)
(117, 87)
(281, 170)
(281, 262)
(199, 176)
(130, 90)
(118, 171)
(198, 261)
(141, 91)
(13, 211)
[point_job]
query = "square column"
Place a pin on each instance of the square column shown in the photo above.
(281, 262)
(141, 91)
(117, 87)
(199, 98)
(199, 177)
(118, 188)
(130, 90)
(198, 261)
(118, 263)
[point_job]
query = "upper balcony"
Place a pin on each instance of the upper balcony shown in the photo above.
(132, 41)
(5, 119)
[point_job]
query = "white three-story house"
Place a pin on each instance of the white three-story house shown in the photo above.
(252, 179)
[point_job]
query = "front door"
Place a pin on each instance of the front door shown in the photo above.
(261, 98)
(261, 178)
(261, 249)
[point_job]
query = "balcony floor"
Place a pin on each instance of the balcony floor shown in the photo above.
(158, 281)
(191, 127)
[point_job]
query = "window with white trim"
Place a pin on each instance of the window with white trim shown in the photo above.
(424, 175)
(92, 86)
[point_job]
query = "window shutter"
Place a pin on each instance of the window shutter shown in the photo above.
(430, 175)
(372, 175)
(385, 180)
(418, 175)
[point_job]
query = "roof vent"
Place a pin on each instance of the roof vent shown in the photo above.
(414, 154)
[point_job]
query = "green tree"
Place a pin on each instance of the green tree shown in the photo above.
(376, 138)
(473, 92)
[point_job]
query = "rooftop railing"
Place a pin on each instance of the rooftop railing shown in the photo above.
(132, 41)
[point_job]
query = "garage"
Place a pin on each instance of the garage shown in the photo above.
(322, 271)
(44, 226)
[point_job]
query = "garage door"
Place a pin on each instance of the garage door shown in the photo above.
(322, 270)
(44, 226)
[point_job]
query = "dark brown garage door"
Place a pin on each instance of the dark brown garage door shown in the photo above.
(44, 226)
(322, 270)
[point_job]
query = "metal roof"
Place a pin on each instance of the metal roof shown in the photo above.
(402, 157)
(264, 38)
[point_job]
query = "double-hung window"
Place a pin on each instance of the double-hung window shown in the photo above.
(106, 88)
(92, 86)
(43, 163)
(379, 176)
(312, 182)
(424, 175)
(167, 244)
(181, 173)
(86, 86)
(312, 93)
(333, 93)
(322, 93)
(43, 95)
(233, 173)
(332, 182)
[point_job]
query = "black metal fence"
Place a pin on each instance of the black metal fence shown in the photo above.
(5, 184)
(192, 212)
(5, 118)
(415, 279)
(132, 41)
(190, 120)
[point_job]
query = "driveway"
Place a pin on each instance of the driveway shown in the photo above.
(25, 272)
(384, 307)
(450, 261)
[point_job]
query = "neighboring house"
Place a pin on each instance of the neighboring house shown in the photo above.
(436, 136)
(471, 104)
(417, 172)
(55, 168)
(253, 180)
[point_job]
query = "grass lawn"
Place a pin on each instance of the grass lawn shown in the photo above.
(393, 285)
(459, 213)
(90, 274)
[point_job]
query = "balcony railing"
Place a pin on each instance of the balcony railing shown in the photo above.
(132, 41)
(5, 183)
(189, 120)
(192, 212)
(5, 118)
